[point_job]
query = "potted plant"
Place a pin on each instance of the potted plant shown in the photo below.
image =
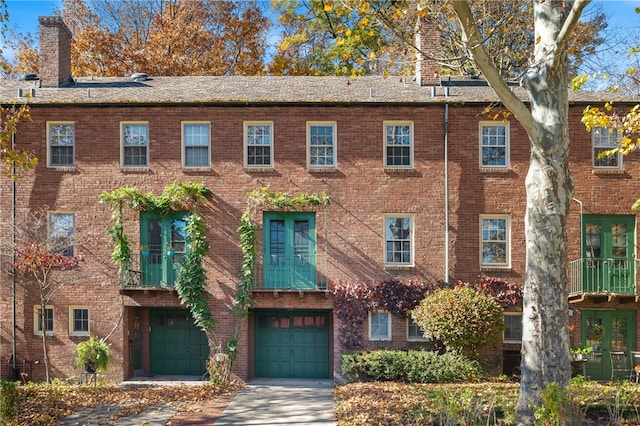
(93, 354)
(144, 250)
(581, 353)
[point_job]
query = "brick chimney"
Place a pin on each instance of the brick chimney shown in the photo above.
(427, 39)
(55, 52)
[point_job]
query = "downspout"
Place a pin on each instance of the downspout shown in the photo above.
(581, 227)
(446, 193)
(14, 360)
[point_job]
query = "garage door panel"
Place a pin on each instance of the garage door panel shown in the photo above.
(291, 344)
(177, 345)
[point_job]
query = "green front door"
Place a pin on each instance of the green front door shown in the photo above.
(291, 344)
(178, 347)
(165, 237)
(289, 251)
(609, 265)
(619, 336)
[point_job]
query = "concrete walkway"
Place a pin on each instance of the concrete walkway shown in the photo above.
(270, 402)
(265, 402)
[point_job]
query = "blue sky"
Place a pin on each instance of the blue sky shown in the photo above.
(23, 14)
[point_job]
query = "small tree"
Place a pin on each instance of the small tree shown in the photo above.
(40, 258)
(463, 319)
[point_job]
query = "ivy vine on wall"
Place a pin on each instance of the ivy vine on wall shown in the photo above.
(259, 200)
(178, 196)
(353, 300)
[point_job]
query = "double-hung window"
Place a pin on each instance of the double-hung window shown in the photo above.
(42, 323)
(321, 144)
(494, 241)
(258, 144)
(61, 138)
(605, 139)
(61, 233)
(196, 144)
(135, 144)
(78, 321)
(494, 145)
(398, 144)
(379, 325)
(414, 332)
(512, 327)
(398, 231)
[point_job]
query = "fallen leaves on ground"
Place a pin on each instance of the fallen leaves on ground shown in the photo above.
(392, 403)
(42, 404)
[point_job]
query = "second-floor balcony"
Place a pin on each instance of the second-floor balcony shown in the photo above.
(296, 272)
(603, 276)
(157, 269)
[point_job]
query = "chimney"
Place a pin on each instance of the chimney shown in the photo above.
(429, 46)
(55, 52)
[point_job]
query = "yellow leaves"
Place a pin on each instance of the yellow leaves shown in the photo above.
(364, 22)
(328, 6)
(340, 41)
(578, 81)
(538, 39)
(631, 71)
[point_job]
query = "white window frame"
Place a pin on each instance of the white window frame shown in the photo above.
(507, 143)
(184, 126)
(123, 124)
(411, 323)
(379, 338)
(394, 123)
(504, 337)
(37, 330)
(605, 138)
(411, 238)
(72, 330)
(57, 236)
(334, 146)
(50, 135)
(246, 145)
(507, 241)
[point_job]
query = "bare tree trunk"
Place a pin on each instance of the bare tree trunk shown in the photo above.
(545, 343)
(45, 348)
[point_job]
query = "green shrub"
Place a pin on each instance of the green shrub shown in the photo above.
(463, 319)
(409, 366)
(8, 400)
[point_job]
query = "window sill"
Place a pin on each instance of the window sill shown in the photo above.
(188, 169)
(266, 169)
(64, 169)
(322, 169)
(607, 171)
(495, 170)
(379, 339)
(400, 170)
(495, 268)
(127, 169)
(398, 267)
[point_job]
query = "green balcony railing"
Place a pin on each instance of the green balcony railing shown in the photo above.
(603, 276)
(150, 270)
(301, 272)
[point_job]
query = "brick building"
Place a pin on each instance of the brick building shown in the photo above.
(423, 187)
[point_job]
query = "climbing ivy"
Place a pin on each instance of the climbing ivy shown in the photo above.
(178, 196)
(258, 200)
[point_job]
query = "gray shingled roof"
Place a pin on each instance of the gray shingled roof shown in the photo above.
(267, 89)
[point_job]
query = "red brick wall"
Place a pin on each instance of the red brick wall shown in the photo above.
(361, 190)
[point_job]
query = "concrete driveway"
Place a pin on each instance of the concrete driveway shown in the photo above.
(270, 402)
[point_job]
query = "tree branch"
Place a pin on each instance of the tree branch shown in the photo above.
(473, 42)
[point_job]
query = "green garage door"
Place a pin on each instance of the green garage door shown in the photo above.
(178, 347)
(291, 344)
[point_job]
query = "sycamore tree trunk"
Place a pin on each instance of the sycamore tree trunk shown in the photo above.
(549, 189)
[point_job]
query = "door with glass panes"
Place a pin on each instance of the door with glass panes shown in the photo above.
(165, 237)
(605, 331)
(609, 265)
(289, 251)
